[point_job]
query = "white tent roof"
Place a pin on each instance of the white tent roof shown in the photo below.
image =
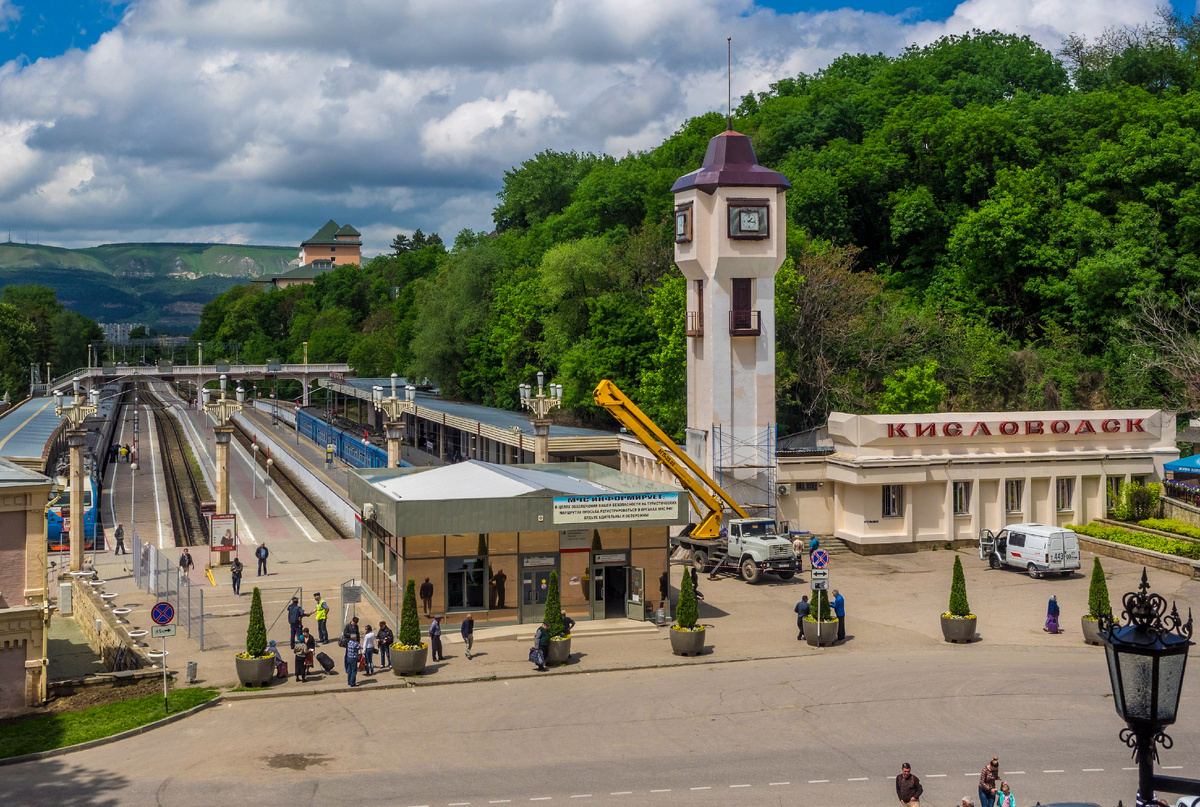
(484, 480)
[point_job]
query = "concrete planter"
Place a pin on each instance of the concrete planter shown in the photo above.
(959, 629)
(687, 642)
(1091, 630)
(409, 662)
(255, 672)
(560, 651)
(828, 633)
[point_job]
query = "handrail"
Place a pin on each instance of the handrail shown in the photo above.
(628, 415)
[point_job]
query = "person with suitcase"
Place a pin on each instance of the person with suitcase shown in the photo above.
(541, 646)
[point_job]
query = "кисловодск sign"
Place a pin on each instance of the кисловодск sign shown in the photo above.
(616, 507)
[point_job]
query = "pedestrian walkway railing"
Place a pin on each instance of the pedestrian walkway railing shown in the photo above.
(157, 574)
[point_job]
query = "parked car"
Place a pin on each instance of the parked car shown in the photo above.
(1037, 548)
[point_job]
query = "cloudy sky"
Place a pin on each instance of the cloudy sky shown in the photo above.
(255, 121)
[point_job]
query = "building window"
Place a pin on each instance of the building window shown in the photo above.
(807, 486)
(1139, 480)
(1014, 490)
(962, 498)
(1114, 490)
(1064, 490)
(465, 582)
(893, 501)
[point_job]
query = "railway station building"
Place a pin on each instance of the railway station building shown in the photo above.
(23, 577)
(487, 536)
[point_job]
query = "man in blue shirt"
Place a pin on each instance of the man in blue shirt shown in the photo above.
(295, 613)
(839, 610)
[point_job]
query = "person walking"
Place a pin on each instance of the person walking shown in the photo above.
(185, 565)
(467, 629)
(295, 614)
(988, 778)
(908, 787)
(427, 597)
(352, 650)
(235, 576)
(368, 644)
(839, 610)
(541, 643)
(1005, 797)
(322, 615)
(1052, 612)
(802, 609)
(119, 536)
(435, 640)
(384, 639)
(262, 553)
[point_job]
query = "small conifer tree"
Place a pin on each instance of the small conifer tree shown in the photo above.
(958, 591)
(554, 608)
(1098, 604)
(819, 608)
(256, 632)
(410, 626)
(687, 612)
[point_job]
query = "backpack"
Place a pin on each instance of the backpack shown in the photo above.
(300, 649)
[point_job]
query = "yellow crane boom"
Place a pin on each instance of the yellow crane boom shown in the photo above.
(698, 484)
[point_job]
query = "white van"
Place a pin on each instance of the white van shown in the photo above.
(1037, 548)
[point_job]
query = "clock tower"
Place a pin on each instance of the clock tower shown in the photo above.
(730, 239)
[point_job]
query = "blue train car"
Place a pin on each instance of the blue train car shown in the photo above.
(60, 506)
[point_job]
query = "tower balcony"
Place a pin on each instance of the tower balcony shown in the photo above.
(745, 323)
(695, 323)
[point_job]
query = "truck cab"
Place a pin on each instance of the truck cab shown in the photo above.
(1037, 548)
(760, 545)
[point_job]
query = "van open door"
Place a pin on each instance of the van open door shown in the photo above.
(987, 544)
(1054, 552)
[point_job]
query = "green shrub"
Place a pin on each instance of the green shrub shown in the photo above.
(1098, 604)
(687, 611)
(410, 626)
(958, 591)
(1169, 546)
(1170, 525)
(256, 632)
(819, 607)
(1137, 503)
(554, 608)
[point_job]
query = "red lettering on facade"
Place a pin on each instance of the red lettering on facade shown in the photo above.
(1009, 427)
(1034, 427)
(981, 428)
(952, 429)
(1134, 425)
(1060, 427)
(926, 430)
(897, 430)
(1085, 427)
(1111, 426)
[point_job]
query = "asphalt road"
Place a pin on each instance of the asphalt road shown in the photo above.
(830, 730)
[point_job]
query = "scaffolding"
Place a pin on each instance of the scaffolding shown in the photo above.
(746, 467)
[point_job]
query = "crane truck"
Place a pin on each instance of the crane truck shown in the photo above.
(749, 546)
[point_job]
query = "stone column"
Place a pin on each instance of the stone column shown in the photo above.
(223, 434)
(541, 436)
(395, 434)
(75, 441)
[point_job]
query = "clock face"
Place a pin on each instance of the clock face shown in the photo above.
(749, 221)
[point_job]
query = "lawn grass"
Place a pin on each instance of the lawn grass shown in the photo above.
(47, 732)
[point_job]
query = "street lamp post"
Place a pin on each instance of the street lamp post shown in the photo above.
(1146, 661)
(254, 469)
(267, 482)
(76, 413)
(540, 405)
(394, 409)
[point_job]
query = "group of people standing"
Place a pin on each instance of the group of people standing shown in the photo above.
(121, 453)
(993, 791)
(362, 645)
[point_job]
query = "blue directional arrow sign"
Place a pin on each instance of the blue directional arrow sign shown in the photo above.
(820, 559)
(162, 613)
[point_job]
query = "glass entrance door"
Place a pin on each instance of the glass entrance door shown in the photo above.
(635, 606)
(535, 584)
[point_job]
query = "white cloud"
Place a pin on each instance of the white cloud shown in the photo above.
(261, 119)
(9, 13)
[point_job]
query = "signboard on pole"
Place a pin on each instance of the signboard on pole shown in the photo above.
(162, 613)
(819, 574)
(818, 584)
(161, 631)
(222, 532)
(819, 558)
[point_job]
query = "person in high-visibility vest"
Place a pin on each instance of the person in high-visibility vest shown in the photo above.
(322, 613)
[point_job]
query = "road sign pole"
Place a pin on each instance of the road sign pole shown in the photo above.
(166, 707)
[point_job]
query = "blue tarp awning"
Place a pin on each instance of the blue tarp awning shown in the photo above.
(1184, 465)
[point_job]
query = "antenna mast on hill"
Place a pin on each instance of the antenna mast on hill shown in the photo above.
(729, 83)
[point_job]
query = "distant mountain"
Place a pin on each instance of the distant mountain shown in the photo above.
(162, 285)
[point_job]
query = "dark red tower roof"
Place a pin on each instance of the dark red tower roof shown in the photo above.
(730, 160)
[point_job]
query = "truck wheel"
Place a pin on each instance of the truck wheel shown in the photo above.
(786, 575)
(700, 560)
(1033, 572)
(750, 571)
(995, 561)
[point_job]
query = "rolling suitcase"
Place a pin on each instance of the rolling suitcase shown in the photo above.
(325, 661)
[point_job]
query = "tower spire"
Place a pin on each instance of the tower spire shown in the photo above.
(729, 83)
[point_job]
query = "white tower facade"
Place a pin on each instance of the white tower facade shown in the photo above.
(730, 239)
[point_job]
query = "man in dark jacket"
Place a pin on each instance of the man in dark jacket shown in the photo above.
(427, 596)
(351, 630)
(568, 624)
(908, 787)
(261, 553)
(802, 609)
(664, 589)
(295, 613)
(435, 640)
(467, 629)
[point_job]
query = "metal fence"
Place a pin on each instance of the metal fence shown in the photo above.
(158, 574)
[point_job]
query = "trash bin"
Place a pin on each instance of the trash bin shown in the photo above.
(191, 672)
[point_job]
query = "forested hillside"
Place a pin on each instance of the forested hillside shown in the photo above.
(975, 224)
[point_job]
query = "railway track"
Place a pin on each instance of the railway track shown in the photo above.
(183, 496)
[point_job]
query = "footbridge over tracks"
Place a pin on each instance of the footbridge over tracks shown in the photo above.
(199, 374)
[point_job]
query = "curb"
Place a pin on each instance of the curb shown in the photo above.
(166, 721)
